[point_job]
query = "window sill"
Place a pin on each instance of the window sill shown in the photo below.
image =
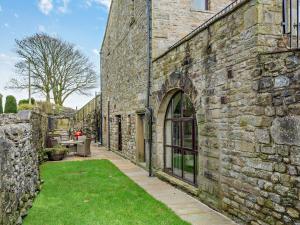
(203, 11)
(177, 183)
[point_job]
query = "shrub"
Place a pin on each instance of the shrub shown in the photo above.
(58, 149)
(25, 107)
(1, 106)
(26, 101)
(10, 104)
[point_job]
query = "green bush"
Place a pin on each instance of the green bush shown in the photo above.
(25, 107)
(10, 105)
(58, 149)
(26, 101)
(1, 106)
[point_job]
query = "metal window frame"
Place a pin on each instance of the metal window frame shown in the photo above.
(182, 149)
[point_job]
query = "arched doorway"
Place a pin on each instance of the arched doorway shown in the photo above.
(180, 139)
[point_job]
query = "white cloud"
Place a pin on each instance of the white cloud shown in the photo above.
(6, 25)
(16, 15)
(45, 6)
(95, 51)
(7, 71)
(8, 59)
(64, 7)
(41, 28)
(105, 3)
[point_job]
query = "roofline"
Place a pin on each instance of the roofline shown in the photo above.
(107, 22)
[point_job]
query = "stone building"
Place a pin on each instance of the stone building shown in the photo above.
(211, 105)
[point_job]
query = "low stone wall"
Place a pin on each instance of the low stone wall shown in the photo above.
(39, 124)
(19, 160)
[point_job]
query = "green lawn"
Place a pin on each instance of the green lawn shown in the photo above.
(92, 193)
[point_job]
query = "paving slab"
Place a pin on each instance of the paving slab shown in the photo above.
(185, 206)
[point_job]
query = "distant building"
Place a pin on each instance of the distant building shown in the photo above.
(221, 92)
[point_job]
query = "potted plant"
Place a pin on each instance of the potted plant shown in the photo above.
(56, 153)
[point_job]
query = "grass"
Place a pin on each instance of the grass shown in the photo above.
(93, 193)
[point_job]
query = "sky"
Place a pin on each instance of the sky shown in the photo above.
(81, 22)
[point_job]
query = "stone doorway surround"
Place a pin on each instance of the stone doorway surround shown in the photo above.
(184, 205)
(140, 138)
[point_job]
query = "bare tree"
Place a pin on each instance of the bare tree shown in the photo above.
(57, 68)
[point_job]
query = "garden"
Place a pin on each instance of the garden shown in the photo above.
(94, 192)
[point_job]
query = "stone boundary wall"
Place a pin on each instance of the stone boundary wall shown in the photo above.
(39, 124)
(88, 117)
(20, 139)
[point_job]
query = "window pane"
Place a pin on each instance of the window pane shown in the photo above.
(188, 108)
(199, 5)
(169, 112)
(168, 159)
(177, 162)
(168, 132)
(196, 135)
(177, 106)
(176, 134)
(189, 166)
(188, 134)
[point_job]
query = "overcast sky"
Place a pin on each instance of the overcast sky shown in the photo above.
(81, 22)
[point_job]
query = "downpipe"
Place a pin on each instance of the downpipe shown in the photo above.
(149, 62)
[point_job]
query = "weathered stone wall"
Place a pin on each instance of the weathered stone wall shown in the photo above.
(88, 118)
(273, 164)
(247, 152)
(124, 56)
(247, 109)
(172, 20)
(19, 170)
(200, 67)
(124, 69)
(39, 122)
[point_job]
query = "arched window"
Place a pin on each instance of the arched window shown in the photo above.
(180, 139)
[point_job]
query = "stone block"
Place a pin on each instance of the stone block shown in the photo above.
(24, 115)
(286, 130)
(281, 81)
(262, 135)
(295, 156)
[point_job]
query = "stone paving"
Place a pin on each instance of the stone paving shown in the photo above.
(185, 206)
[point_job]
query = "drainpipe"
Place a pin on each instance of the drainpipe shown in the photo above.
(101, 122)
(101, 104)
(108, 125)
(149, 62)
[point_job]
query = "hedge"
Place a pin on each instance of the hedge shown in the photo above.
(10, 105)
(26, 101)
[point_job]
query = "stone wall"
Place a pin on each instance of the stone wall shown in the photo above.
(39, 123)
(172, 20)
(247, 110)
(19, 171)
(245, 90)
(88, 118)
(124, 69)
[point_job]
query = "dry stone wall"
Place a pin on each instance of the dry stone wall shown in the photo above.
(19, 167)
